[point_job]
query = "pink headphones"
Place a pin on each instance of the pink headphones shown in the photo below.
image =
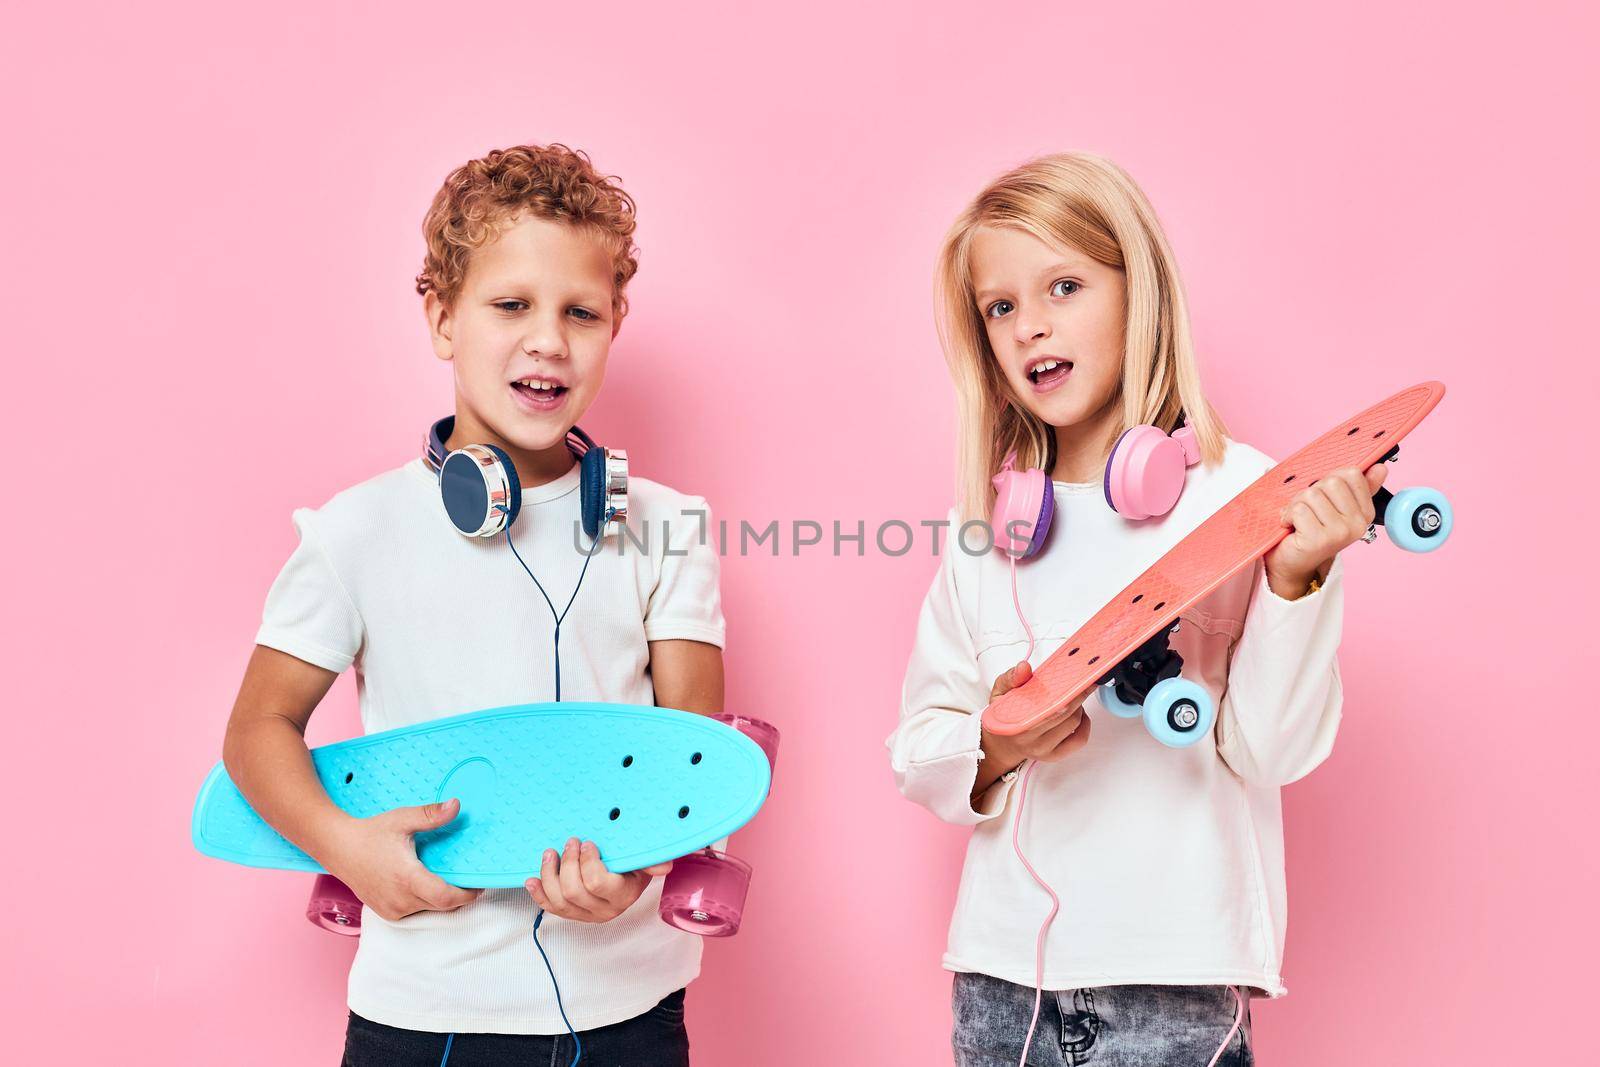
(1144, 478)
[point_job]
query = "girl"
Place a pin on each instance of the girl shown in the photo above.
(1064, 324)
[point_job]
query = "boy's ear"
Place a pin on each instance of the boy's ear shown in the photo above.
(439, 325)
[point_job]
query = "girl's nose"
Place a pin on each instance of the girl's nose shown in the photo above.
(1031, 328)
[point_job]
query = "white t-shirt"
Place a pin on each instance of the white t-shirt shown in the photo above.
(1168, 862)
(437, 624)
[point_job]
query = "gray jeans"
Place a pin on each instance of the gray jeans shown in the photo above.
(1112, 1026)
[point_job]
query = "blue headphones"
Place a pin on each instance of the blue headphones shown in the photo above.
(483, 497)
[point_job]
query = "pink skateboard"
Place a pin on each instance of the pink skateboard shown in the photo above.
(1123, 650)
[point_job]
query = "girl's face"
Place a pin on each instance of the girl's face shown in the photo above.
(1056, 320)
(529, 333)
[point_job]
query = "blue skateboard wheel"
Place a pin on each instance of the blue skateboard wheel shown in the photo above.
(1116, 705)
(1178, 712)
(1418, 519)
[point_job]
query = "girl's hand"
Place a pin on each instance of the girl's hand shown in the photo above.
(1327, 517)
(1054, 739)
(377, 859)
(576, 885)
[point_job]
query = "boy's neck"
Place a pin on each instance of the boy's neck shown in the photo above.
(1083, 447)
(534, 468)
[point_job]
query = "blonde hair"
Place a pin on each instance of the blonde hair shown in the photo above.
(1088, 203)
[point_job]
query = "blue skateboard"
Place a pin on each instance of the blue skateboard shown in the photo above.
(645, 784)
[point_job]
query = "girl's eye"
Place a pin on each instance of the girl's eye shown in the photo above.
(998, 309)
(583, 313)
(1065, 287)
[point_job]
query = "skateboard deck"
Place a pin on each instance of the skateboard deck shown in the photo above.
(1241, 532)
(645, 784)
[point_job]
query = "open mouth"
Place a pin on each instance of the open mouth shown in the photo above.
(539, 393)
(1049, 371)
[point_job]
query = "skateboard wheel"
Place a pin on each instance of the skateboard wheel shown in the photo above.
(334, 907)
(1418, 519)
(704, 893)
(1116, 705)
(762, 733)
(1178, 712)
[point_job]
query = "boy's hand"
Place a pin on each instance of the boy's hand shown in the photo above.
(1327, 517)
(377, 859)
(576, 885)
(1054, 739)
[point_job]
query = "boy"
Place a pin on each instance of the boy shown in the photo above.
(529, 253)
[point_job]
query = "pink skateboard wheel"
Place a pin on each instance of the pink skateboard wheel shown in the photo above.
(334, 907)
(762, 733)
(704, 893)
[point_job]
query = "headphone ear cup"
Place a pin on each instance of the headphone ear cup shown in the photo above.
(1144, 474)
(1047, 518)
(592, 491)
(472, 482)
(1021, 497)
(514, 496)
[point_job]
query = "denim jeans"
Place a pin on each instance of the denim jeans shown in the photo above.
(655, 1039)
(1110, 1026)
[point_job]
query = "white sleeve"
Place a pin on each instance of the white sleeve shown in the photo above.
(935, 750)
(1283, 700)
(309, 614)
(686, 603)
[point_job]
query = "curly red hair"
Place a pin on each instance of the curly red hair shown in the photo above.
(544, 181)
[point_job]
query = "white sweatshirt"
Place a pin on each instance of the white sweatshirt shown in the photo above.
(1168, 862)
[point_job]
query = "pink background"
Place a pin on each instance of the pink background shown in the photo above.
(213, 220)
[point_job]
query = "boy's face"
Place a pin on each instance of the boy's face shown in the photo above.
(529, 333)
(1056, 320)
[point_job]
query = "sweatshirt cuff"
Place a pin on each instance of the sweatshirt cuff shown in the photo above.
(943, 781)
(1271, 611)
(1280, 711)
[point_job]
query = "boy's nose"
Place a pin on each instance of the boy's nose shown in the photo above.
(547, 342)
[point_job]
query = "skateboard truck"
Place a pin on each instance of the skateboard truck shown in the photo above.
(1150, 663)
(1148, 684)
(1416, 519)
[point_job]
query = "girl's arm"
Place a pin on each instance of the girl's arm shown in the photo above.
(1052, 740)
(940, 754)
(1281, 709)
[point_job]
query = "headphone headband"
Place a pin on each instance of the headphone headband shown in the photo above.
(434, 451)
(482, 495)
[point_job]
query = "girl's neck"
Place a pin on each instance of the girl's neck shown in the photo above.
(1082, 447)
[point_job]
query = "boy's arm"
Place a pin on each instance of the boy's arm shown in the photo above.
(266, 756)
(687, 675)
(265, 751)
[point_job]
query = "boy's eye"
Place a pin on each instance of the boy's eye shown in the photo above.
(510, 305)
(998, 309)
(583, 313)
(1065, 287)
